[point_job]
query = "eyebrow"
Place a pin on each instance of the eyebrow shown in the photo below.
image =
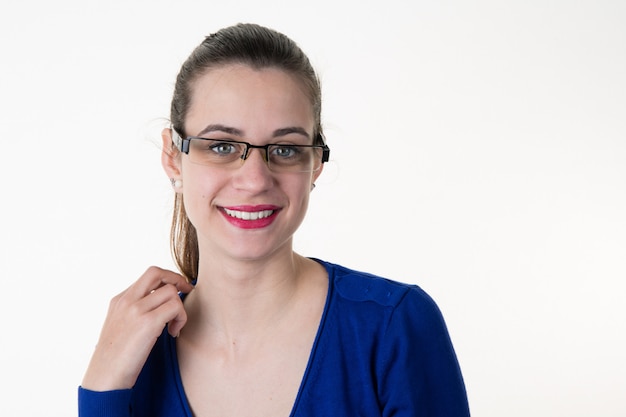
(220, 128)
(237, 132)
(288, 130)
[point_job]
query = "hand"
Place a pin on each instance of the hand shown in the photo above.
(135, 319)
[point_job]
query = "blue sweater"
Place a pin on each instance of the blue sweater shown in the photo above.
(382, 349)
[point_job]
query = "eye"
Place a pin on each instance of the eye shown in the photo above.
(285, 151)
(223, 148)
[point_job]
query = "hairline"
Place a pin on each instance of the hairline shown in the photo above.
(307, 88)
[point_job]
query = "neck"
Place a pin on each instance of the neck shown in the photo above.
(239, 300)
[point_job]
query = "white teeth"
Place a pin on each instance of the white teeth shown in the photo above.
(249, 215)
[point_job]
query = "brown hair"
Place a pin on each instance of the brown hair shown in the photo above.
(249, 44)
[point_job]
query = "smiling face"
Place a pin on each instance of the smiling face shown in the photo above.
(245, 212)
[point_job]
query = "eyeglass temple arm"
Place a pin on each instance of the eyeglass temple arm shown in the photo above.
(180, 143)
(325, 149)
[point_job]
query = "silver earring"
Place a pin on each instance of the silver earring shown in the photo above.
(176, 183)
(312, 186)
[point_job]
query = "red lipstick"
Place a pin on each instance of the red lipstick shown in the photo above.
(250, 217)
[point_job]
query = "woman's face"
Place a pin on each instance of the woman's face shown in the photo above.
(247, 212)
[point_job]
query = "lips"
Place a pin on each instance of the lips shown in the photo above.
(249, 215)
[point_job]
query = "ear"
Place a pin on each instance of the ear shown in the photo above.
(170, 155)
(316, 175)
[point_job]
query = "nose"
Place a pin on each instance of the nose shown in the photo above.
(254, 174)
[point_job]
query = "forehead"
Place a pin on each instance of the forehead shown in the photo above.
(243, 97)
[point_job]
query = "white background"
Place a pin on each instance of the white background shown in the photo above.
(478, 149)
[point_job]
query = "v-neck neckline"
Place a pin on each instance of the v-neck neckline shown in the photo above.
(311, 363)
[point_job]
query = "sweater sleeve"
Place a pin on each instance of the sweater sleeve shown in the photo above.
(104, 404)
(418, 369)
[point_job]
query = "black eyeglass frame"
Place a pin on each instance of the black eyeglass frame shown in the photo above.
(183, 145)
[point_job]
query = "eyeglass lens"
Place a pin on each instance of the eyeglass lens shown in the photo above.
(279, 157)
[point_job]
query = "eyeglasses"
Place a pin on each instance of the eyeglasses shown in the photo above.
(278, 156)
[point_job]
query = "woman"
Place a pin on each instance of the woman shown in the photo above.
(250, 328)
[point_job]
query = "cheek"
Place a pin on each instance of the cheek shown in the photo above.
(198, 177)
(299, 192)
(198, 186)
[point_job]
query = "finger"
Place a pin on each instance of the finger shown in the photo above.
(173, 314)
(155, 277)
(165, 306)
(157, 297)
(175, 326)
